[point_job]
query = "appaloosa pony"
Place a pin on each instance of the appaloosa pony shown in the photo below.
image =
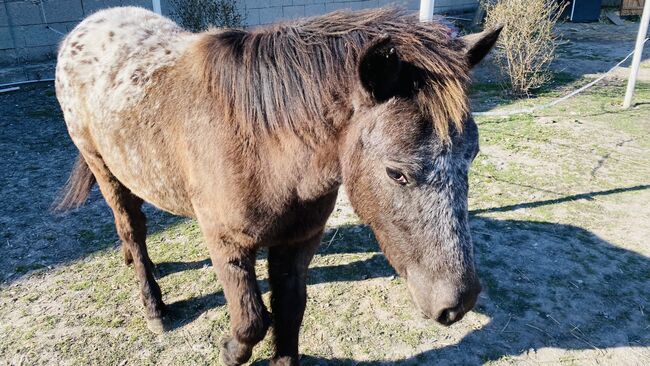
(252, 132)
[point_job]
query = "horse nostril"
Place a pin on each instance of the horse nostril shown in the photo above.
(449, 316)
(455, 313)
(442, 318)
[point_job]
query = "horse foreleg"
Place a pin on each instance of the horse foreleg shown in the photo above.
(288, 280)
(249, 319)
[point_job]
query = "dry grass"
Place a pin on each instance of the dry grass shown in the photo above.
(558, 214)
(527, 43)
(559, 218)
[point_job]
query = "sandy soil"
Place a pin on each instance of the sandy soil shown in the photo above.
(559, 217)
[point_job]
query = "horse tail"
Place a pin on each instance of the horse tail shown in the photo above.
(76, 189)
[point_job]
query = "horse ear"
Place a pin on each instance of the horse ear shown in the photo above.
(478, 45)
(379, 69)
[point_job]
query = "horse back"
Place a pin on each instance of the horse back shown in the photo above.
(108, 71)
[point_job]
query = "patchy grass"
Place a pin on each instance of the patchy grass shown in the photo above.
(559, 218)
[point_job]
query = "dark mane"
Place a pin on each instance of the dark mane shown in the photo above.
(299, 68)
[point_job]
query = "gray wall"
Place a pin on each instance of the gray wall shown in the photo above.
(30, 30)
(24, 32)
(268, 11)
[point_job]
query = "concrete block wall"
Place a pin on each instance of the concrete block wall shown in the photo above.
(259, 12)
(30, 30)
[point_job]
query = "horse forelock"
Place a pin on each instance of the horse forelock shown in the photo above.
(288, 75)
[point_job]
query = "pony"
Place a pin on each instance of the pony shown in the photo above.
(253, 132)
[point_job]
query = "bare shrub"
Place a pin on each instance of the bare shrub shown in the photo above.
(199, 15)
(527, 44)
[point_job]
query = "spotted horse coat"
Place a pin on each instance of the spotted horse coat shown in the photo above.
(252, 132)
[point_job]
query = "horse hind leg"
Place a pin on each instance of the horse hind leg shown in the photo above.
(128, 257)
(130, 223)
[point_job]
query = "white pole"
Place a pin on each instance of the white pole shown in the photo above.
(426, 10)
(156, 6)
(638, 50)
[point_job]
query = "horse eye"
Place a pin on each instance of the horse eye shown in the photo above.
(397, 176)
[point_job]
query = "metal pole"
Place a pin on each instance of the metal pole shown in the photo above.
(638, 50)
(155, 4)
(426, 10)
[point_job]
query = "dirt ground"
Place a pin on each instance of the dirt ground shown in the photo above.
(559, 215)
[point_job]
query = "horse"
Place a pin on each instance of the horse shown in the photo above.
(252, 132)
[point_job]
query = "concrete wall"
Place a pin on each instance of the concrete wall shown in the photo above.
(269, 11)
(30, 30)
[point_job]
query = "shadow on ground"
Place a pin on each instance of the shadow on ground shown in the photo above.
(559, 285)
(36, 156)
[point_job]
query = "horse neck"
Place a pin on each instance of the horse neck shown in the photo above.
(323, 145)
(308, 164)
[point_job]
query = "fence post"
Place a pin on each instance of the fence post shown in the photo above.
(155, 6)
(638, 50)
(426, 10)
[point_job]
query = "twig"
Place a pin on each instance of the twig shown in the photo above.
(587, 342)
(507, 323)
(522, 274)
(187, 337)
(541, 330)
(576, 328)
(332, 238)
(558, 323)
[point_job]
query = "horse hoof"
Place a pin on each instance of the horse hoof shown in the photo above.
(156, 325)
(234, 353)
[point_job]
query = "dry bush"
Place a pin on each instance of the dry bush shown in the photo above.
(527, 43)
(199, 15)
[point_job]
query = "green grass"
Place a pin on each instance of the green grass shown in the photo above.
(538, 256)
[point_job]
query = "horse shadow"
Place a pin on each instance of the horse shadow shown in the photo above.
(35, 161)
(545, 285)
(183, 312)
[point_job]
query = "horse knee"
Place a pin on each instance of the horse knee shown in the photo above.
(252, 331)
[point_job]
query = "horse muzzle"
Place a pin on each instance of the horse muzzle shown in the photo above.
(443, 300)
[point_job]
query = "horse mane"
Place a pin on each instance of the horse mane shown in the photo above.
(286, 75)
